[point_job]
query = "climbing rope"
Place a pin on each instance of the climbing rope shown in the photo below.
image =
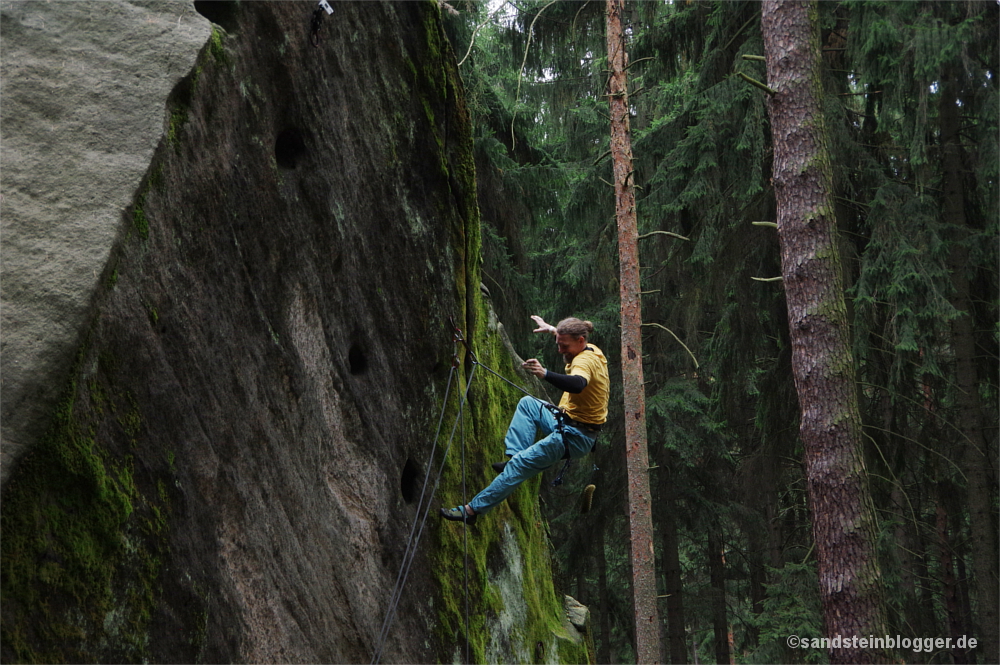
(556, 412)
(415, 533)
(465, 535)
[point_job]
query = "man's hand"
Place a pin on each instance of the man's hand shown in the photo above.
(534, 367)
(542, 326)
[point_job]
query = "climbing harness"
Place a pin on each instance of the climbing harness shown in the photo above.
(317, 20)
(555, 410)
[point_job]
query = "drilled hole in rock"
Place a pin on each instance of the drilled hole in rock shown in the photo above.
(289, 148)
(357, 360)
(220, 12)
(409, 481)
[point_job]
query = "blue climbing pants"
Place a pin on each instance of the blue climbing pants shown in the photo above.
(528, 457)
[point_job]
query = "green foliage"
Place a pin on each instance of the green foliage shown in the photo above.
(727, 430)
(791, 607)
(905, 269)
(681, 416)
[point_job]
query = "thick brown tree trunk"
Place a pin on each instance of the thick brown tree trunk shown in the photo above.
(843, 519)
(637, 457)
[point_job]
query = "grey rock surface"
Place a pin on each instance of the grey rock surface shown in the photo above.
(83, 90)
(578, 614)
(254, 387)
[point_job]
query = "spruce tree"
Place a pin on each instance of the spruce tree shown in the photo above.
(640, 512)
(722, 411)
(844, 523)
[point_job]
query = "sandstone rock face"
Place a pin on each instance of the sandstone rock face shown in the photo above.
(234, 464)
(83, 94)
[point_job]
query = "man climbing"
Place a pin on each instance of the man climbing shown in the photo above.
(582, 410)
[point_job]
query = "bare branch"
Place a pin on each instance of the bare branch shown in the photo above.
(657, 325)
(636, 62)
(757, 83)
(520, 72)
(665, 233)
(472, 42)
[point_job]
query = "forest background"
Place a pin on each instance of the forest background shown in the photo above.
(911, 96)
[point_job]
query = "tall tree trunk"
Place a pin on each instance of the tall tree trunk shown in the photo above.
(637, 457)
(946, 564)
(582, 592)
(912, 610)
(974, 461)
(757, 577)
(672, 634)
(672, 572)
(843, 518)
(604, 651)
(968, 655)
(717, 580)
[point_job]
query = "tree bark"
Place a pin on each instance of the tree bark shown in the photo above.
(604, 651)
(637, 456)
(717, 580)
(676, 635)
(843, 519)
(946, 565)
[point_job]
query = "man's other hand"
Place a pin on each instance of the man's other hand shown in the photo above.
(542, 326)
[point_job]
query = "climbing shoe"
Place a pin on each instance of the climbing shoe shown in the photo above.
(499, 466)
(458, 514)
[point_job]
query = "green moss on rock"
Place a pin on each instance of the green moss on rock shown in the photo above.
(81, 545)
(517, 615)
